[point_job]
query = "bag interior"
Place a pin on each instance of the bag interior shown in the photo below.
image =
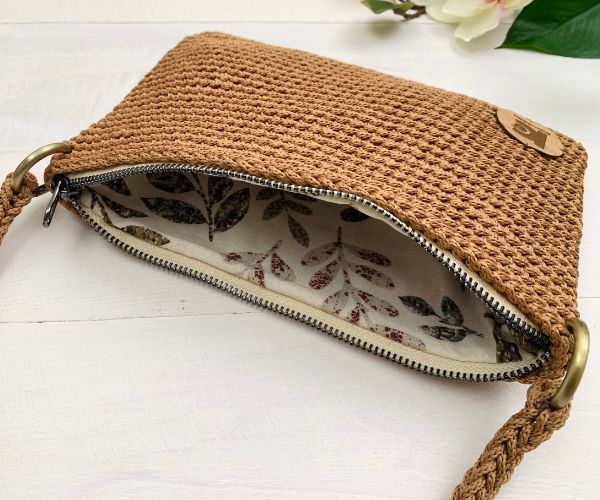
(340, 258)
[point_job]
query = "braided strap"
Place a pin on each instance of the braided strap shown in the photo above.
(523, 432)
(12, 203)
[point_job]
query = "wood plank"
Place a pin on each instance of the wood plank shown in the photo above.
(224, 407)
(185, 11)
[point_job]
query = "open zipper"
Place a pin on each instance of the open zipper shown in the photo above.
(68, 189)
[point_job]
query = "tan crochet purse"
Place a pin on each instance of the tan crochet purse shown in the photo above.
(427, 227)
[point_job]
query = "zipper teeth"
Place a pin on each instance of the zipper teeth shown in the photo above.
(507, 316)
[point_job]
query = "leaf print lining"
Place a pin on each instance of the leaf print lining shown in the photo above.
(254, 264)
(140, 232)
(350, 214)
(229, 211)
(119, 186)
(280, 203)
(451, 315)
(333, 258)
(176, 211)
(363, 304)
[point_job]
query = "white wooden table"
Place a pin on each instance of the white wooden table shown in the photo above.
(121, 381)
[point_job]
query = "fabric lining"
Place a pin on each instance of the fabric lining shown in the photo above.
(328, 255)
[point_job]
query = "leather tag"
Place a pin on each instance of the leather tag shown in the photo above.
(530, 133)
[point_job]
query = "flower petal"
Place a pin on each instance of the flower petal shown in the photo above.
(515, 4)
(435, 10)
(478, 25)
(466, 8)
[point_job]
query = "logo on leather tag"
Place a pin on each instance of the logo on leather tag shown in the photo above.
(530, 133)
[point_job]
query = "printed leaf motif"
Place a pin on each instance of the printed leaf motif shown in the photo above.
(378, 304)
(298, 207)
(258, 276)
(368, 255)
(277, 206)
(280, 269)
(232, 210)
(96, 201)
(523, 342)
(354, 316)
(146, 234)
(417, 305)
(447, 333)
(399, 336)
(119, 186)
(298, 232)
(247, 258)
(121, 210)
(372, 275)
(337, 301)
(273, 209)
(217, 187)
(362, 301)
(253, 262)
(175, 210)
(505, 351)
(319, 255)
(172, 182)
(302, 197)
(350, 214)
(325, 276)
(451, 314)
(266, 194)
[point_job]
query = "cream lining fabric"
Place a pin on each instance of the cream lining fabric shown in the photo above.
(327, 255)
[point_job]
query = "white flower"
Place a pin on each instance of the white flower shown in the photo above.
(474, 17)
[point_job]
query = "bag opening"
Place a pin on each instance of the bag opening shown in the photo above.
(332, 256)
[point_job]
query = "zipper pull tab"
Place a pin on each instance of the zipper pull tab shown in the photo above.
(61, 190)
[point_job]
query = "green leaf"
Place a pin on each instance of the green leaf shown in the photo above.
(563, 27)
(380, 6)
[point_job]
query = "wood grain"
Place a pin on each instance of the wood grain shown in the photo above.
(122, 381)
(186, 11)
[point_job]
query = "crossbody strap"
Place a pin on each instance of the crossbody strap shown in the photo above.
(523, 432)
(20, 187)
(11, 203)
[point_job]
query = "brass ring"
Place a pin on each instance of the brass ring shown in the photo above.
(16, 181)
(576, 364)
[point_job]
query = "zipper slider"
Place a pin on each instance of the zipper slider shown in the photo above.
(62, 190)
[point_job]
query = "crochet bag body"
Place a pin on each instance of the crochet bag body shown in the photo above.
(432, 229)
